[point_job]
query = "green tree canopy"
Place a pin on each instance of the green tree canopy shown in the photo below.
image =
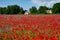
(0, 10)
(42, 9)
(33, 10)
(13, 9)
(56, 8)
(5, 10)
(21, 10)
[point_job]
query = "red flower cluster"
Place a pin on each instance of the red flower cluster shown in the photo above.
(30, 27)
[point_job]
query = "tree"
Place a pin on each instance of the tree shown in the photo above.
(10, 10)
(21, 10)
(42, 9)
(4, 10)
(33, 10)
(56, 8)
(0, 10)
(13, 9)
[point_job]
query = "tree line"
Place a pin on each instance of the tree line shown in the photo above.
(15, 9)
(11, 9)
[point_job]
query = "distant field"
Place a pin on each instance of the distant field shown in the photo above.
(30, 27)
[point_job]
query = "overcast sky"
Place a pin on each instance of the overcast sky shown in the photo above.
(26, 4)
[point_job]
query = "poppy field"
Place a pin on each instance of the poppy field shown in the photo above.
(30, 27)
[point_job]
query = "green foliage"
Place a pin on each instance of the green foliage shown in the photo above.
(42, 9)
(5, 10)
(0, 10)
(13, 9)
(21, 10)
(56, 8)
(33, 10)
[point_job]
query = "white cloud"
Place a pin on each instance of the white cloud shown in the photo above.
(48, 3)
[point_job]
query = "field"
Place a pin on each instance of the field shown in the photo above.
(30, 27)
